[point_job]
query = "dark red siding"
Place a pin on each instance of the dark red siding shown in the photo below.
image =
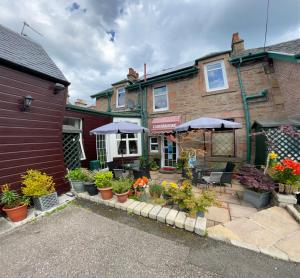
(32, 139)
(89, 122)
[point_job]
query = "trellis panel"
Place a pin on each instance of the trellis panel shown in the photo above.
(72, 150)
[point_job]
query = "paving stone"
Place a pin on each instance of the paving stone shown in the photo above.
(145, 211)
(220, 232)
(217, 214)
(189, 224)
(170, 219)
(111, 202)
(241, 211)
(200, 226)
(290, 245)
(180, 219)
(126, 204)
(229, 198)
(161, 216)
(243, 244)
(137, 210)
(274, 252)
(132, 206)
(154, 212)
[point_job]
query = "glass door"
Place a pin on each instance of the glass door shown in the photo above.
(169, 153)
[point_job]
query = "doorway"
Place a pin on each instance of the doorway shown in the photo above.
(169, 153)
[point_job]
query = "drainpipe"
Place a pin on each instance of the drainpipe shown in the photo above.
(245, 99)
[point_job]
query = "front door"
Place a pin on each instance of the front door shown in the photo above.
(169, 153)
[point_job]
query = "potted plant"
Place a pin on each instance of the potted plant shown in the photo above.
(103, 181)
(76, 178)
(287, 174)
(155, 190)
(89, 181)
(179, 165)
(169, 190)
(121, 188)
(139, 186)
(153, 165)
(41, 188)
(14, 205)
(258, 184)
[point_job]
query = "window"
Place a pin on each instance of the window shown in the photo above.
(77, 125)
(215, 76)
(121, 97)
(160, 99)
(223, 143)
(153, 144)
(101, 150)
(127, 144)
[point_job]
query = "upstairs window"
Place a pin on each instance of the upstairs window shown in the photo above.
(160, 99)
(121, 97)
(215, 76)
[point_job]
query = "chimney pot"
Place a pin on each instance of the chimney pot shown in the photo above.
(237, 44)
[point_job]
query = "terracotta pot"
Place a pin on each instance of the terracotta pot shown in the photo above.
(122, 197)
(16, 214)
(106, 193)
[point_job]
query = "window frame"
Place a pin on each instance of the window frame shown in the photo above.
(127, 144)
(167, 95)
(151, 144)
(224, 74)
(101, 137)
(117, 102)
(234, 142)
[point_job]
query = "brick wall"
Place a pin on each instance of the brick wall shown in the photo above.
(288, 76)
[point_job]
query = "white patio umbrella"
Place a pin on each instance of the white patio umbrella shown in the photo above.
(119, 128)
(207, 123)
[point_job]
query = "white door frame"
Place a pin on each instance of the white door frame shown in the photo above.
(162, 148)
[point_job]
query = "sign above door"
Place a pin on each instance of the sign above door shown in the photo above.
(164, 124)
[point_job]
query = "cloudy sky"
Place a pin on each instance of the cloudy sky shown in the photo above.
(95, 41)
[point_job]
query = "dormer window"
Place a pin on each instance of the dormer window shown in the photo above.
(120, 97)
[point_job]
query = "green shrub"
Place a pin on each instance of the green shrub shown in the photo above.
(11, 198)
(122, 185)
(155, 190)
(88, 176)
(103, 179)
(153, 165)
(76, 175)
(37, 184)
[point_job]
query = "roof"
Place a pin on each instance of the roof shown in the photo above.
(275, 123)
(103, 93)
(289, 47)
(20, 51)
(121, 81)
(212, 54)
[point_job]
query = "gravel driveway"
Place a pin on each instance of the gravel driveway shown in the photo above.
(85, 240)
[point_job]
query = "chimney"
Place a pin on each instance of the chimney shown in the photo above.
(80, 102)
(132, 75)
(237, 44)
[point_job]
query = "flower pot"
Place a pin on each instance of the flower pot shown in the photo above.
(106, 193)
(122, 197)
(45, 202)
(16, 214)
(91, 188)
(78, 186)
(281, 188)
(258, 199)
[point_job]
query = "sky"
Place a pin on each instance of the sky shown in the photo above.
(94, 42)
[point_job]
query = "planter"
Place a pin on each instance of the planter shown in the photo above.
(106, 193)
(78, 186)
(122, 197)
(16, 214)
(286, 189)
(91, 188)
(45, 202)
(259, 200)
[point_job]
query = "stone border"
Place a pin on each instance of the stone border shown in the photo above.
(165, 215)
(293, 212)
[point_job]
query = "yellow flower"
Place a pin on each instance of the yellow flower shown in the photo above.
(273, 155)
(164, 183)
(173, 185)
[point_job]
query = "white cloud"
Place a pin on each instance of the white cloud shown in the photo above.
(161, 33)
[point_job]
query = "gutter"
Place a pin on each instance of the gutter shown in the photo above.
(245, 98)
(179, 74)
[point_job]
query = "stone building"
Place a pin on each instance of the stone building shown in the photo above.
(242, 85)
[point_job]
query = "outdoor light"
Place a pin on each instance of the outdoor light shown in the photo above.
(58, 87)
(27, 101)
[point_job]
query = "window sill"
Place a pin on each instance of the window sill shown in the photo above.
(226, 91)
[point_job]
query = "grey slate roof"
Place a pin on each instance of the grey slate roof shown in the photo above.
(103, 93)
(289, 47)
(24, 52)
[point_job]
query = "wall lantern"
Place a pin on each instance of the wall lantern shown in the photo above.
(27, 101)
(58, 88)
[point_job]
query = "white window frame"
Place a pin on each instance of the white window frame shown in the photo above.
(160, 109)
(118, 91)
(224, 76)
(103, 139)
(127, 140)
(153, 144)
